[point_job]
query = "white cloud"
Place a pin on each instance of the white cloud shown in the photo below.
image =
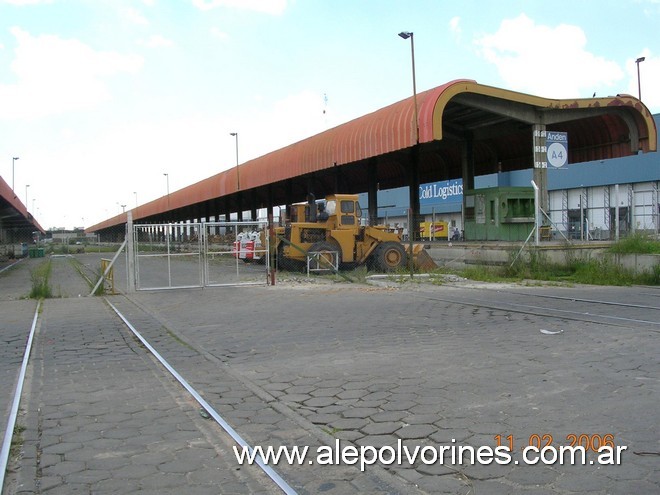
(189, 147)
(287, 121)
(454, 26)
(55, 75)
(134, 16)
(216, 33)
(157, 41)
(547, 61)
(26, 2)
(275, 7)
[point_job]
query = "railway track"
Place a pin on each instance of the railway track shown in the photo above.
(87, 353)
(186, 393)
(573, 308)
(136, 348)
(132, 341)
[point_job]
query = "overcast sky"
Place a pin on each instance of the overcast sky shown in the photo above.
(100, 98)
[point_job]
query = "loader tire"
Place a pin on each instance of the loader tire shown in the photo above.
(330, 253)
(389, 256)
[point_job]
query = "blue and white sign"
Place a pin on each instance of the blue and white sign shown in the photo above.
(442, 192)
(557, 148)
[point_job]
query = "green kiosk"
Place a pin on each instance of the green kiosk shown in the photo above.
(499, 213)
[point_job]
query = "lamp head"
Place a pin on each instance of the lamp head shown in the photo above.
(405, 34)
(640, 59)
(233, 133)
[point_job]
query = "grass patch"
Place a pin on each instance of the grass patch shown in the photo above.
(534, 265)
(636, 244)
(40, 278)
(16, 442)
(331, 431)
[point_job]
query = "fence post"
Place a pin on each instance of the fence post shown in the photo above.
(130, 253)
(616, 212)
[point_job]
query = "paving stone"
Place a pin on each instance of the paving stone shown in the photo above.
(348, 435)
(381, 428)
(376, 441)
(415, 431)
(320, 401)
(398, 406)
(61, 448)
(435, 469)
(323, 419)
(533, 475)
(419, 419)
(359, 412)
(447, 436)
(349, 423)
(326, 392)
(65, 467)
(388, 416)
(351, 394)
(445, 485)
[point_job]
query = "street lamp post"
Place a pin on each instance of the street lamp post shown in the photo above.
(405, 35)
(639, 84)
(13, 161)
(123, 208)
(238, 177)
(136, 203)
(26, 195)
(167, 177)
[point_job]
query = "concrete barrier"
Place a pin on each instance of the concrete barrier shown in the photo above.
(457, 255)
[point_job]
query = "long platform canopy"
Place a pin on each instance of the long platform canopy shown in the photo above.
(15, 220)
(379, 147)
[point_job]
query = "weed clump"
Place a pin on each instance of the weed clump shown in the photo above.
(636, 244)
(40, 278)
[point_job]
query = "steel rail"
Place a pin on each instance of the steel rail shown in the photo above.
(269, 471)
(11, 422)
(592, 301)
(11, 265)
(547, 312)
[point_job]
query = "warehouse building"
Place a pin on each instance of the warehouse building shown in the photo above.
(591, 200)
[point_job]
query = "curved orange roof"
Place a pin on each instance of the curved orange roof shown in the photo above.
(13, 213)
(461, 104)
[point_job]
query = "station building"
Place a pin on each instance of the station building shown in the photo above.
(591, 200)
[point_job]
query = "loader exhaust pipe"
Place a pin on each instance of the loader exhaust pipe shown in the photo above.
(311, 201)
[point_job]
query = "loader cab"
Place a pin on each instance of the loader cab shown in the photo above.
(299, 213)
(346, 209)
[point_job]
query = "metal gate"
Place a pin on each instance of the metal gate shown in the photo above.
(236, 253)
(187, 255)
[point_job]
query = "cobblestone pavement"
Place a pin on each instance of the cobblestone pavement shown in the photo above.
(16, 314)
(312, 364)
(377, 365)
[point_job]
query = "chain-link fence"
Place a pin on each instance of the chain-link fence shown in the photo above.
(236, 253)
(180, 255)
(607, 212)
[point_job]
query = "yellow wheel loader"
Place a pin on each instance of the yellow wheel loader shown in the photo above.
(330, 231)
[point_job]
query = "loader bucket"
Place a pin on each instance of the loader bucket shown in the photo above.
(421, 258)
